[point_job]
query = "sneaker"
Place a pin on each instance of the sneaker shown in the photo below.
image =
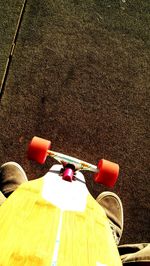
(12, 175)
(114, 211)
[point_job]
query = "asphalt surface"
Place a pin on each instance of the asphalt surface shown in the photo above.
(80, 76)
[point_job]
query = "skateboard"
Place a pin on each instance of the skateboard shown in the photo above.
(54, 220)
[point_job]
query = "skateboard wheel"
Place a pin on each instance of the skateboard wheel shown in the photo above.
(108, 173)
(37, 149)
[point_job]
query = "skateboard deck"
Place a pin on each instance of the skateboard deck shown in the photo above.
(49, 221)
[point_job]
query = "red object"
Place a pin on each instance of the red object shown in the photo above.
(68, 174)
(37, 149)
(108, 173)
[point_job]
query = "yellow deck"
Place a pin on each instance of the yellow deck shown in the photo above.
(34, 232)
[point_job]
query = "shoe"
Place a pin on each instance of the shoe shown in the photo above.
(114, 211)
(12, 175)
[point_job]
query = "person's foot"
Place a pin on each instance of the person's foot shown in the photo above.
(11, 176)
(114, 211)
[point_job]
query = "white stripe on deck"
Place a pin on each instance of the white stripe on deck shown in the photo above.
(56, 249)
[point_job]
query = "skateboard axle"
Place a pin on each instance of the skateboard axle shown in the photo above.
(78, 164)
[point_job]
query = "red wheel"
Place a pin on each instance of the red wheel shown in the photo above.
(108, 173)
(37, 149)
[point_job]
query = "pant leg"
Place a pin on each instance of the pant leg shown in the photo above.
(135, 254)
(2, 198)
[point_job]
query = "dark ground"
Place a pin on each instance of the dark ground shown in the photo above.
(80, 76)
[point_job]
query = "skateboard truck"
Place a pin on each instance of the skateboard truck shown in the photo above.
(105, 172)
